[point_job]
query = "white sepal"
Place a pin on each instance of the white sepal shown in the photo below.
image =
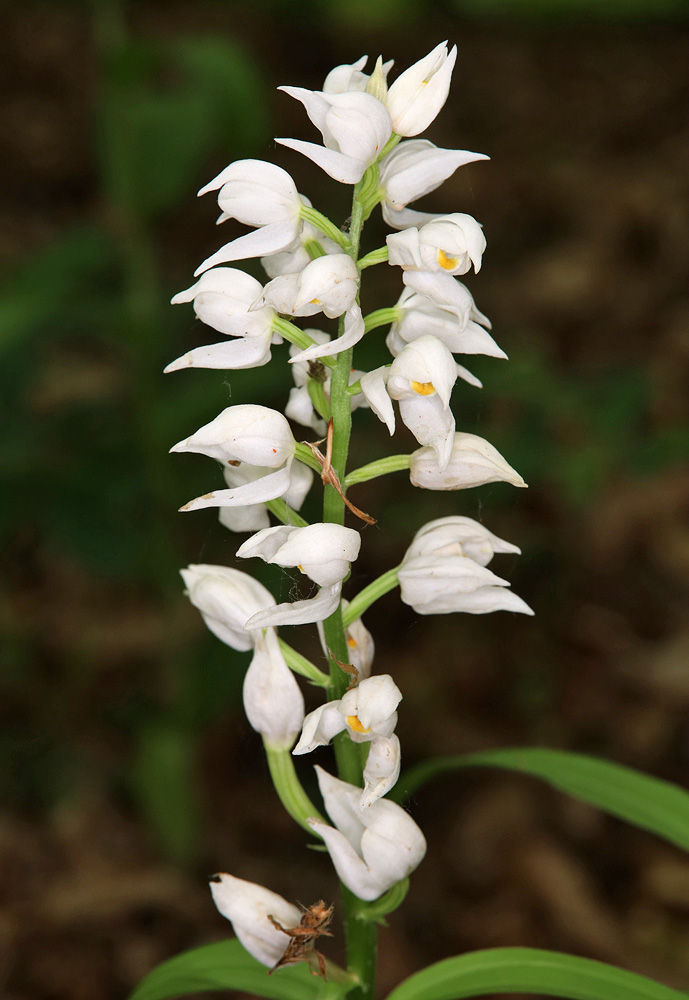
(312, 609)
(354, 330)
(374, 388)
(256, 193)
(248, 907)
(457, 327)
(459, 536)
(382, 769)
(473, 462)
(417, 167)
(418, 94)
(226, 598)
(273, 702)
(244, 433)
(371, 849)
(320, 726)
(235, 355)
(322, 550)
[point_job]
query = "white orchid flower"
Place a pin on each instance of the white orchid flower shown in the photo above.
(367, 711)
(273, 702)
(414, 169)
(249, 908)
(349, 77)
(418, 94)
(355, 128)
(245, 433)
(444, 570)
(371, 849)
(254, 517)
(327, 284)
(322, 551)
(458, 328)
(222, 298)
(258, 194)
(226, 598)
(473, 462)
(421, 378)
(450, 243)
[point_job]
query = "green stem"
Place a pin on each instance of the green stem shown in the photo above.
(361, 935)
(382, 317)
(294, 335)
(373, 257)
(300, 665)
(285, 514)
(366, 597)
(381, 467)
(328, 228)
(289, 789)
(304, 454)
(362, 947)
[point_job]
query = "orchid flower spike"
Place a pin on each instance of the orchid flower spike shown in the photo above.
(414, 169)
(355, 128)
(443, 570)
(249, 908)
(245, 433)
(222, 299)
(418, 94)
(322, 551)
(450, 243)
(473, 462)
(371, 849)
(257, 194)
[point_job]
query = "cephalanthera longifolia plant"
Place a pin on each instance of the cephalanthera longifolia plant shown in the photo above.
(370, 132)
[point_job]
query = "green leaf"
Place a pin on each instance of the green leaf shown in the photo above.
(528, 970)
(647, 802)
(226, 966)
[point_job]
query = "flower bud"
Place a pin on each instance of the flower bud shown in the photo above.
(418, 94)
(273, 702)
(248, 907)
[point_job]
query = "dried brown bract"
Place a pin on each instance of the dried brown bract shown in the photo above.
(313, 924)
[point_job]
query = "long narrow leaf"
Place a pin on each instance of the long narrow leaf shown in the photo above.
(226, 966)
(528, 970)
(647, 802)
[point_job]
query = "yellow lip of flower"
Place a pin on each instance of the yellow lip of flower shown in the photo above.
(354, 723)
(447, 263)
(423, 388)
(352, 643)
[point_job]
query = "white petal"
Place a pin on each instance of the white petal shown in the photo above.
(319, 727)
(404, 249)
(474, 462)
(354, 330)
(244, 433)
(431, 423)
(417, 167)
(374, 388)
(344, 169)
(351, 869)
(244, 352)
(372, 701)
(266, 543)
(315, 609)
(418, 94)
(405, 218)
(267, 488)
(266, 240)
(226, 598)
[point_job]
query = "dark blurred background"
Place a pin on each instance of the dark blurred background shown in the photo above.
(128, 771)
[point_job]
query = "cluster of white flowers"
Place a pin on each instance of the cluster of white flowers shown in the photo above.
(368, 139)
